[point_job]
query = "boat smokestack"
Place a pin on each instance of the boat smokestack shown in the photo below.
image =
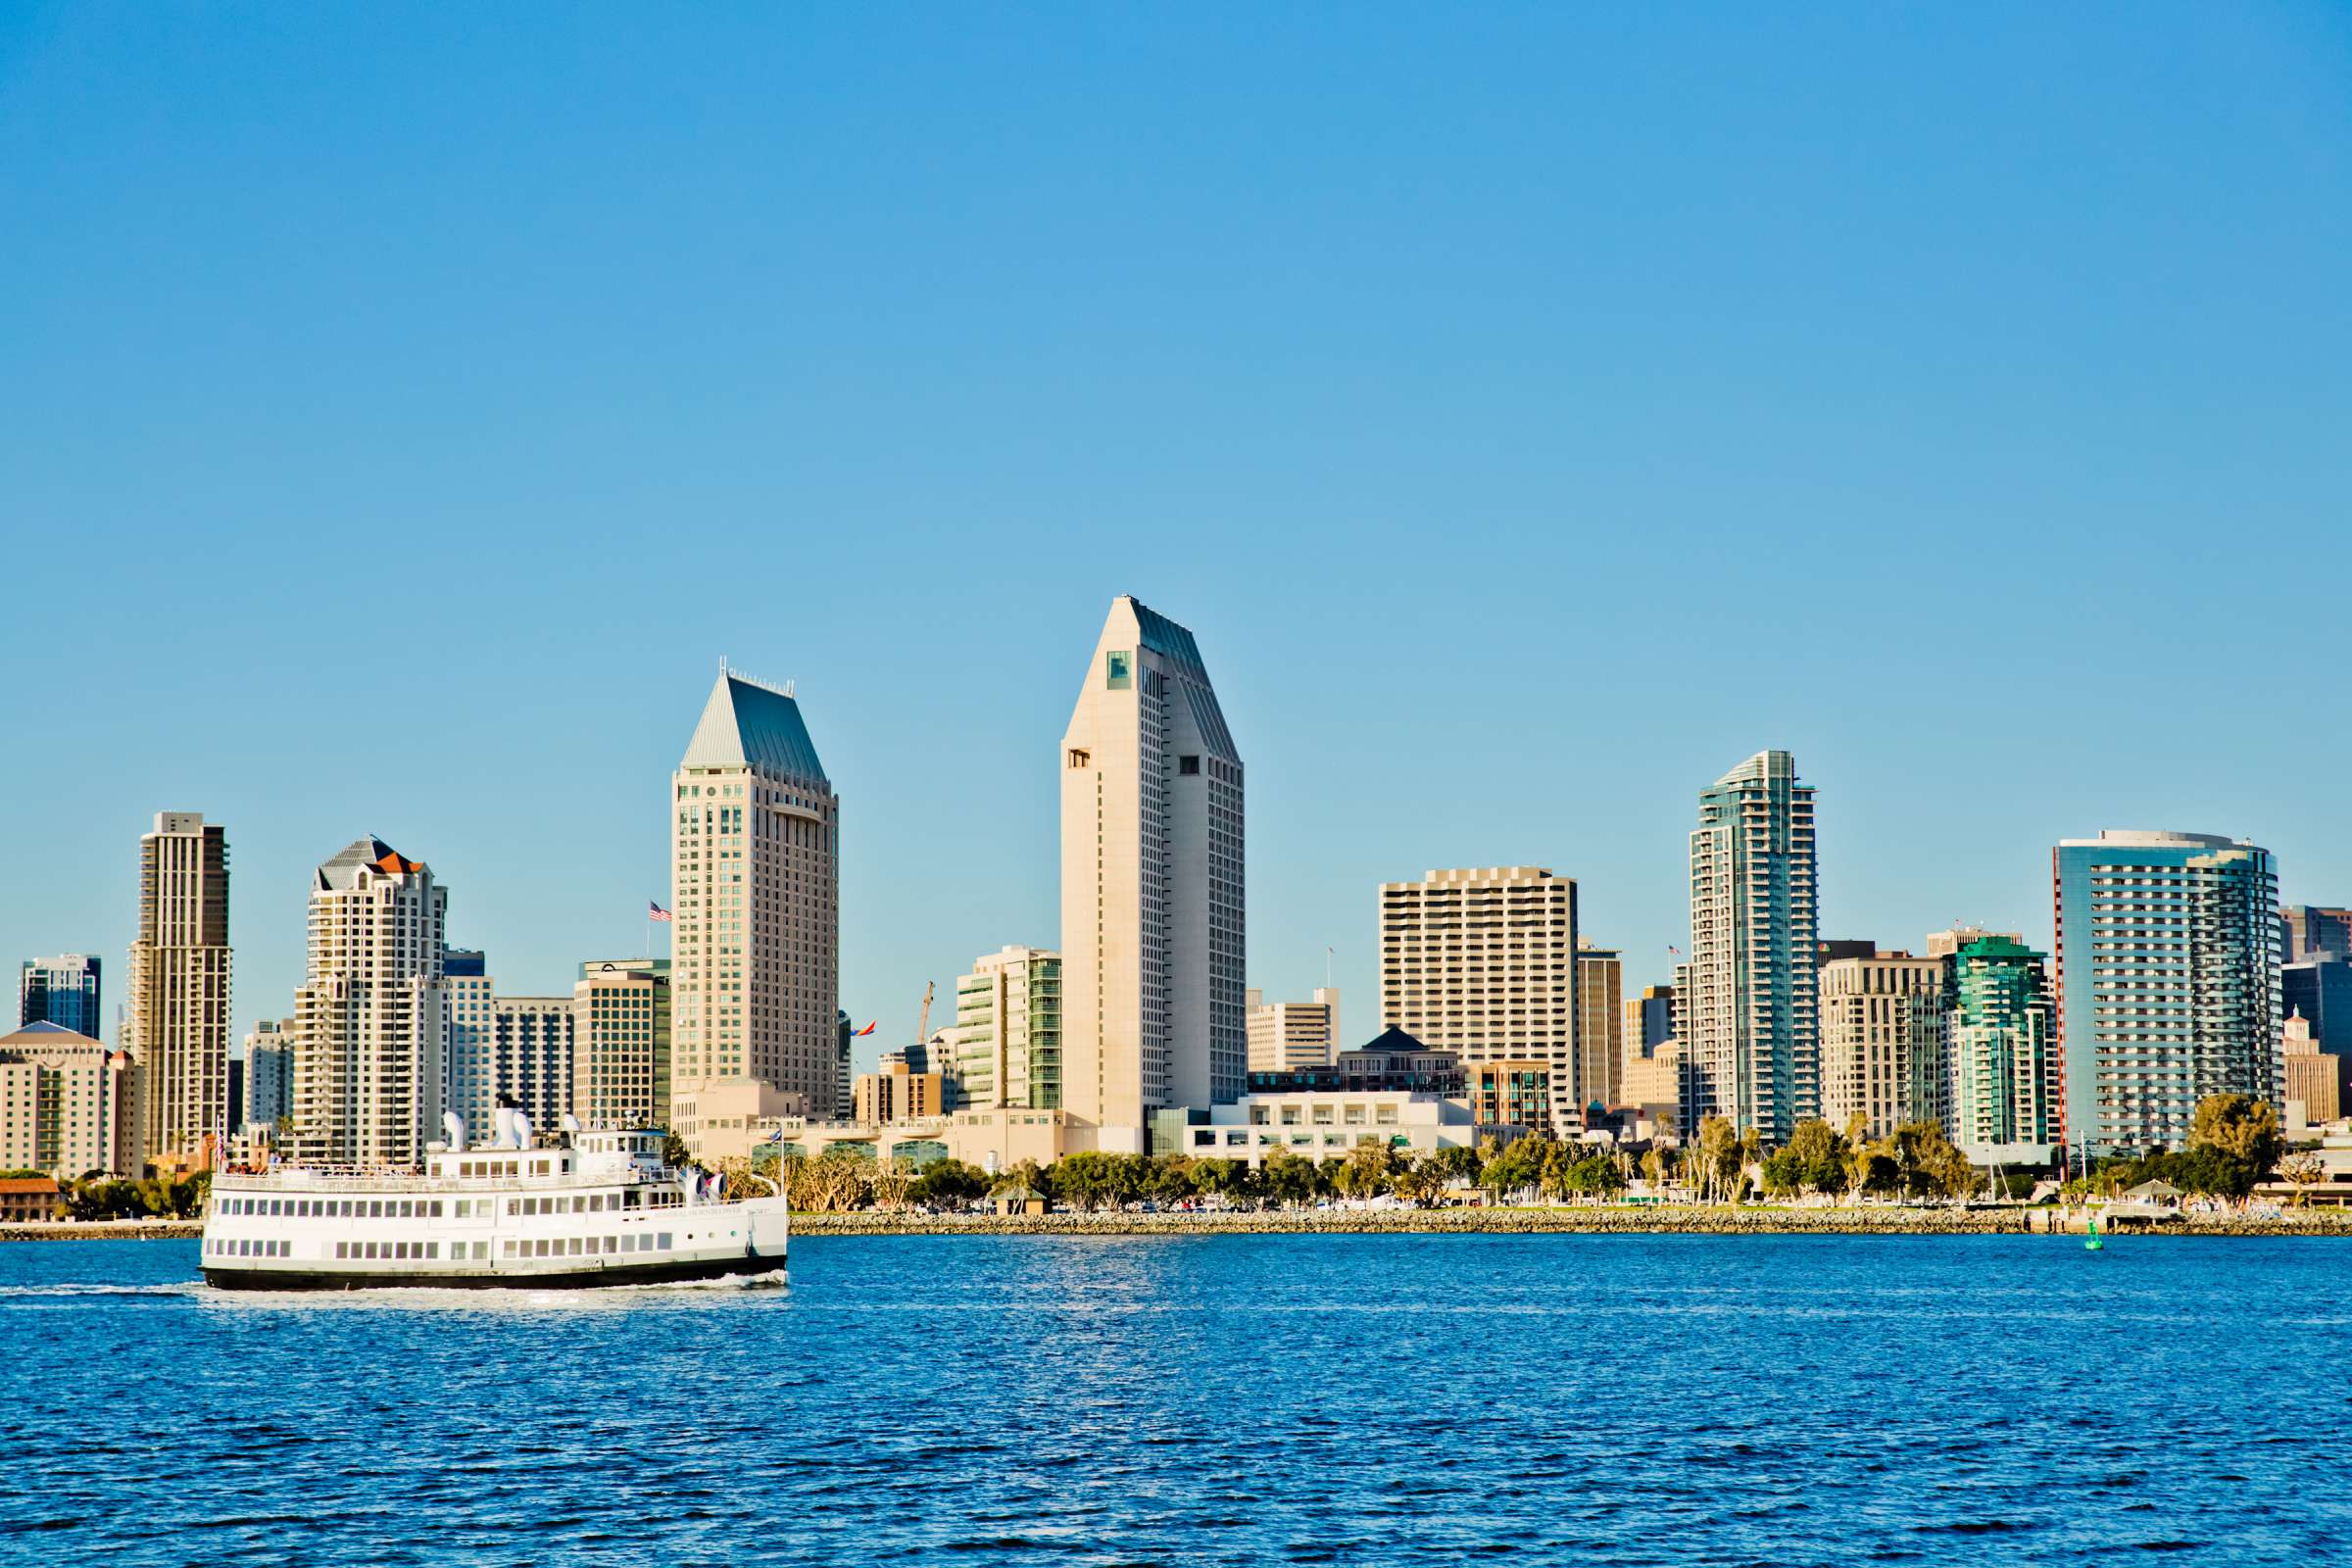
(452, 1128)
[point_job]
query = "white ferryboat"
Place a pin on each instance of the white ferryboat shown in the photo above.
(604, 1211)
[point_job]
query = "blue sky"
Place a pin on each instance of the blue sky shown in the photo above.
(1533, 410)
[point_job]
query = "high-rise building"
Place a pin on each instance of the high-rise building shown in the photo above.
(2313, 1085)
(1600, 1026)
(532, 1044)
(269, 1073)
(1745, 998)
(1483, 962)
(1648, 1021)
(2311, 930)
(63, 991)
(2168, 984)
(371, 1019)
(1650, 1070)
(2000, 1048)
(1882, 1056)
(1292, 1036)
(620, 1050)
(178, 1027)
(1152, 922)
(66, 1103)
(469, 1075)
(1007, 1041)
(2319, 988)
(755, 901)
(844, 1039)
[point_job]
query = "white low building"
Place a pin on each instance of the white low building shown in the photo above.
(1325, 1124)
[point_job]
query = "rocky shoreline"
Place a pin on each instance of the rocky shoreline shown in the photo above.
(1691, 1220)
(1675, 1220)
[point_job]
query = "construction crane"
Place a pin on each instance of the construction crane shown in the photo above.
(922, 1030)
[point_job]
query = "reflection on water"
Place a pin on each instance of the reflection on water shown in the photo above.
(1390, 1400)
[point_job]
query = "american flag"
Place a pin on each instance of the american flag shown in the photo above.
(655, 912)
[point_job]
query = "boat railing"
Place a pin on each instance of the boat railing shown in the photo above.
(355, 1179)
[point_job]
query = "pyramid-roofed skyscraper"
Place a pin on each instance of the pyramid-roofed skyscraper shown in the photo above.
(754, 893)
(1153, 921)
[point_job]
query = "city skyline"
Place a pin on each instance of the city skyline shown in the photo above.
(1981, 403)
(253, 951)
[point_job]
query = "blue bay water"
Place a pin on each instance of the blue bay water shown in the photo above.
(1232, 1399)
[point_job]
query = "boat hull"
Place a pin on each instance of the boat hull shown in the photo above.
(683, 1271)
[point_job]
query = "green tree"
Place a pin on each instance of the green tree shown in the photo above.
(950, 1183)
(1290, 1178)
(1816, 1153)
(1366, 1171)
(1717, 1158)
(2243, 1128)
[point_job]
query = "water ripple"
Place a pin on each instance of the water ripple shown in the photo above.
(1612, 1400)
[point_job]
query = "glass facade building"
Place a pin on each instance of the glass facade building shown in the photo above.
(2001, 1052)
(1747, 997)
(2168, 984)
(63, 991)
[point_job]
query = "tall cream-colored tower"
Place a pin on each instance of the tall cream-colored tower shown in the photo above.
(177, 1031)
(755, 901)
(1151, 878)
(371, 1017)
(1482, 960)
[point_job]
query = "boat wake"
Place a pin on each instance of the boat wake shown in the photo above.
(67, 1292)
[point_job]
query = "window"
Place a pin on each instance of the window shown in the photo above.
(662, 1242)
(1187, 765)
(1118, 670)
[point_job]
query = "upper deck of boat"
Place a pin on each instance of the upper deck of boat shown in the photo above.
(595, 1159)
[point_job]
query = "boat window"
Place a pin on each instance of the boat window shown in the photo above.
(436, 1208)
(509, 1248)
(481, 1249)
(662, 1242)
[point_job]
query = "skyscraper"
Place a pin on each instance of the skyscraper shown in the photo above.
(620, 1052)
(371, 1019)
(269, 1073)
(469, 1078)
(755, 901)
(1599, 1025)
(1290, 1035)
(1482, 960)
(2000, 1050)
(2316, 929)
(1746, 994)
(63, 991)
(2168, 981)
(1648, 1021)
(1882, 1056)
(1153, 921)
(533, 1045)
(178, 1027)
(1007, 1041)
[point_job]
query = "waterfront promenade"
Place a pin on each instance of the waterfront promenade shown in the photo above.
(1693, 1219)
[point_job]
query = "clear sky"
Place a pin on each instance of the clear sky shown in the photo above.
(1533, 411)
